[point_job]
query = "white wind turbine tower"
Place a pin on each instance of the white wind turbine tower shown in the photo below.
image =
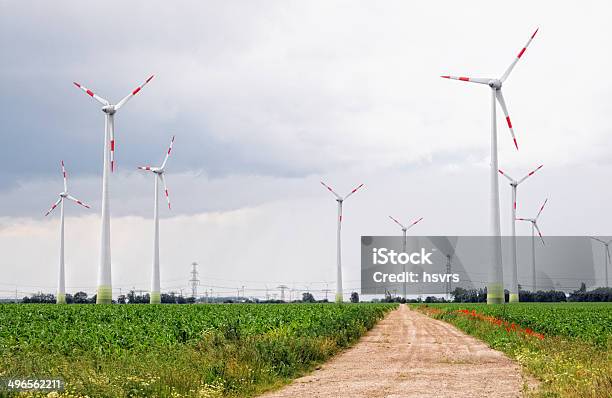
(495, 286)
(340, 200)
(158, 173)
(61, 283)
(105, 293)
(534, 227)
(606, 254)
(514, 293)
(404, 244)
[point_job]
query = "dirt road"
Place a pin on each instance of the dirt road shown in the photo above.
(409, 354)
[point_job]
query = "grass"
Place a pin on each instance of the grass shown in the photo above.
(176, 351)
(568, 347)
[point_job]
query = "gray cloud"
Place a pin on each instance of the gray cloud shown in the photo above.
(266, 97)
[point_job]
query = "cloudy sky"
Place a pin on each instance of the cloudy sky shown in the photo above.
(267, 98)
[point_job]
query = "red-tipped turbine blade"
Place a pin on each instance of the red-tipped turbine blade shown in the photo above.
(531, 173)
(397, 222)
(53, 206)
(165, 190)
(506, 175)
(92, 94)
(520, 54)
(539, 232)
(112, 151)
(133, 93)
(330, 190)
(168, 153)
(353, 191)
(64, 175)
(75, 200)
(502, 103)
(468, 79)
(542, 208)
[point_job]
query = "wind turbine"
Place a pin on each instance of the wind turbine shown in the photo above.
(105, 293)
(340, 200)
(495, 286)
(404, 244)
(514, 293)
(158, 172)
(534, 227)
(61, 283)
(606, 255)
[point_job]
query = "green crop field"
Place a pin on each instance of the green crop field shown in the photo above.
(567, 346)
(170, 350)
(586, 321)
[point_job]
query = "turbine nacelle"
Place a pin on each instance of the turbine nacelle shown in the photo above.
(495, 84)
(156, 170)
(109, 109)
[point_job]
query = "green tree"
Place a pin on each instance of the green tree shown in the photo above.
(307, 297)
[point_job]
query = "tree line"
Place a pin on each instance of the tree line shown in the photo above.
(133, 297)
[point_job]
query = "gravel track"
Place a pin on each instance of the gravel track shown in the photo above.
(408, 354)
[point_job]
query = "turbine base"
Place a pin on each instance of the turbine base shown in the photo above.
(61, 298)
(104, 295)
(155, 298)
(495, 293)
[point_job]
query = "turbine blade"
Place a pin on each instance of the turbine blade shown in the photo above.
(165, 189)
(541, 208)
(520, 54)
(397, 222)
(92, 94)
(64, 174)
(53, 206)
(506, 175)
(112, 148)
(414, 223)
(523, 219)
(539, 232)
(480, 80)
(530, 174)
(353, 191)
(75, 200)
(331, 190)
(133, 93)
(148, 168)
(502, 103)
(168, 153)
(597, 239)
